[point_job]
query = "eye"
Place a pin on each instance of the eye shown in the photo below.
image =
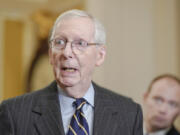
(158, 100)
(173, 104)
(80, 43)
(60, 42)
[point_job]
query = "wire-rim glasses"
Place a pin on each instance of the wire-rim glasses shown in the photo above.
(59, 44)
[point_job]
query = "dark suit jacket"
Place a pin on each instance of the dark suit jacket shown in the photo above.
(173, 131)
(38, 113)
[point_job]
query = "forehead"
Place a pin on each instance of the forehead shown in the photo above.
(168, 89)
(75, 26)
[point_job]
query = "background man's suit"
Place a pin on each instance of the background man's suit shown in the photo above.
(173, 131)
(38, 113)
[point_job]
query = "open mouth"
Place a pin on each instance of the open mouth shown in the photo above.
(69, 69)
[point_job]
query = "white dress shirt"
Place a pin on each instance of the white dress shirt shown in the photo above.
(67, 109)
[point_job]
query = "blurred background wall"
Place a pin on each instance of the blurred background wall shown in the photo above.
(142, 42)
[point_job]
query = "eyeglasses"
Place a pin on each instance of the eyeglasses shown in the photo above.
(59, 44)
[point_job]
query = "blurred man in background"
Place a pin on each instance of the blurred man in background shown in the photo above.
(162, 106)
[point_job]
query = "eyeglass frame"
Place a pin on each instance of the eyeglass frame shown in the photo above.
(71, 42)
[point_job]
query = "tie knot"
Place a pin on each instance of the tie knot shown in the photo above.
(79, 103)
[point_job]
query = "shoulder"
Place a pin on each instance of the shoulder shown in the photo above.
(116, 99)
(28, 99)
(127, 113)
(173, 131)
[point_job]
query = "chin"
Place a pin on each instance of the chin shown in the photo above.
(68, 83)
(160, 126)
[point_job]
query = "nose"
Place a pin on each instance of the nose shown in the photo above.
(163, 108)
(67, 51)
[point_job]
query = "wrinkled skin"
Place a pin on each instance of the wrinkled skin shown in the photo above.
(72, 68)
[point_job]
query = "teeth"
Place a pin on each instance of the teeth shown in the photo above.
(69, 69)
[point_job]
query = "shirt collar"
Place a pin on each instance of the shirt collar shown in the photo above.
(160, 132)
(67, 101)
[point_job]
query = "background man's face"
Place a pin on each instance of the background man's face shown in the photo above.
(162, 104)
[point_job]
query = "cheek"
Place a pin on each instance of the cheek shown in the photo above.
(172, 115)
(151, 109)
(54, 58)
(88, 63)
(149, 104)
(87, 68)
(56, 67)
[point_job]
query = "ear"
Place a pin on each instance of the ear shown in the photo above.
(101, 55)
(50, 56)
(145, 96)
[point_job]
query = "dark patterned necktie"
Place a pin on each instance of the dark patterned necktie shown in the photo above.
(78, 125)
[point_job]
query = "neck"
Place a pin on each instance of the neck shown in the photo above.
(76, 91)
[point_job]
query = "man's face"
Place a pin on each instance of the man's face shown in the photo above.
(162, 104)
(73, 67)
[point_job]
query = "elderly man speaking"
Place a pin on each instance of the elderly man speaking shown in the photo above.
(72, 104)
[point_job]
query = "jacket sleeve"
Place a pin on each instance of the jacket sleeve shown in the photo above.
(138, 125)
(5, 120)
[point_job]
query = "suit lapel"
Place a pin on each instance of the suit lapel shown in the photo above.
(48, 114)
(105, 114)
(48, 120)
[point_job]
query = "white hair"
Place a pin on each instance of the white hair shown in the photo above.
(100, 34)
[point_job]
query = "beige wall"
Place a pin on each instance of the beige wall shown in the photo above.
(142, 43)
(166, 40)
(130, 63)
